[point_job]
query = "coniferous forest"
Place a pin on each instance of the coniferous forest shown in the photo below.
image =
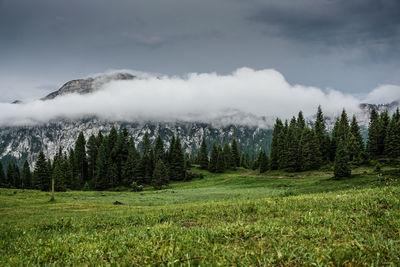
(113, 161)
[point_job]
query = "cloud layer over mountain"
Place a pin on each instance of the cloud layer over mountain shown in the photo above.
(195, 97)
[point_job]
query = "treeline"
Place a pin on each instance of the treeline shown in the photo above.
(105, 162)
(298, 147)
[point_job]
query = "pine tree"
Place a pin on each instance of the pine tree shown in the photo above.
(214, 158)
(301, 123)
(373, 134)
(80, 161)
(102, 165)
(356, 132)
(160, 175)
(119, 153)
(177, 161)
(392, 141)
(203, 155)
(353, 146)
(263, 162)
(71, 181)
(2, 175)
(342, 165)
(275, 145)
(26, 176)
(130, 164)
(235, 154)
(227, 155)
(16, 176)
(310, 157)
(58, 175)
(10, 175)
(159, 153)
(92, 150)
(282, 146)
(334, 140)
(384, 120)
(322, 136)
(292, 147)
(220, 168)
(41, 173)
(344, 128)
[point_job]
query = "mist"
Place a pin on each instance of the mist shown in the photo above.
(201, 97)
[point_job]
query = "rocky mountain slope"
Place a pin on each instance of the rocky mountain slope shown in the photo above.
(252, 132)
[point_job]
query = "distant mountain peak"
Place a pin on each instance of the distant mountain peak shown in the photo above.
(89, 85)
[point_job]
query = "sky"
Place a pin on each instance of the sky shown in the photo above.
(351, 47)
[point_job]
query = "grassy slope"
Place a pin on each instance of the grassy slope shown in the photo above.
(235, 218)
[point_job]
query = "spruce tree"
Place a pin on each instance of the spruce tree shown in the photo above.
(292, 147)
(41, 173)
(16, 176)
(392, 141)
(342, 165)
(26, 176)
(354, 149)
(213, 158)
(322, 136)
(58, 175)
(177, 161)
(373, 134)
(129, 167)
(80, 161)
(356, 132)
(384, 120)
(2, 175)
(92, 150)
(235, 153)
(160, 175)
(10, 175)
(276, 144)
(334, 140)
(220, 168)
(310, 155)
(159, 153)
(344, 127)
(102, 165)
(263, 162)
(301, 123)
(227, 154)
(203, 155)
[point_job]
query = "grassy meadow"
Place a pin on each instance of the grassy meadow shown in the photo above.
(236, 218)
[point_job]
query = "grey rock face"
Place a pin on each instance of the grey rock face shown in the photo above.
(85, 86)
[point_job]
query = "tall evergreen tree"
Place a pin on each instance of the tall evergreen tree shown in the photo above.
(203, 155)
(59, 175)
(235, 153)
(160, 175)
(276, 145)
(130, 164)
(342, 165)
(264, 164)
(26, 176)
(384, 120)
(354, 149)
(41, 173)
(159, 153)
(2, 175)
(177, 161)
(310, 155)
(392, 141)
(10, 175)
(220, 168)
(301, 123)
(102, 165)
(80, 160)
(322, 136)
(373, 134)
(227, 155)
(356, 132)
(213, 158)
(292, 147)
(92, 150)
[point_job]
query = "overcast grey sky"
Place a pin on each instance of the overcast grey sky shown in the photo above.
(351, 46)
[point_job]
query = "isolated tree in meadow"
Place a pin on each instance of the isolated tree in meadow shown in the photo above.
(160, 175)
(373, 134)
(342, 161)
(235, 153)
(26, 176)
(41, 173)
(263, 161)
(203, 155)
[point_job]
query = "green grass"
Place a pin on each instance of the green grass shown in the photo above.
(237, 218)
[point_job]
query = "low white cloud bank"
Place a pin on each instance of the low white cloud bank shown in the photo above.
(383, 94)
(196, 97)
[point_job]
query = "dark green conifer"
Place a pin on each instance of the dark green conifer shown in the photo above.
(263, 161)
(235, 154)
(373, 134)
(220, 168)
(276, 145)
(213, 158)
(80, 161)
(160, 175)
(292, 147)
(92, 150)
(102, 165)
(342, 162)
(26, 176)
(310, 155)
(41, 173)
(177, 161)
(2, 175)
(384, 120)
(203, 155)
(159, 152)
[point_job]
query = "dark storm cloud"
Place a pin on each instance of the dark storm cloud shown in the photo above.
(333, 22)
(352, 46)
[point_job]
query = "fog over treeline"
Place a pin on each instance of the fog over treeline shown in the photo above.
(200, 97)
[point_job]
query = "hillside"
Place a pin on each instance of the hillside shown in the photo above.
(239, 217)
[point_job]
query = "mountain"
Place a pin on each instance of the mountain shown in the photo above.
(252, 132)
(86, 86)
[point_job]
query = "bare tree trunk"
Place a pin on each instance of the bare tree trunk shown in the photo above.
(52, 189)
